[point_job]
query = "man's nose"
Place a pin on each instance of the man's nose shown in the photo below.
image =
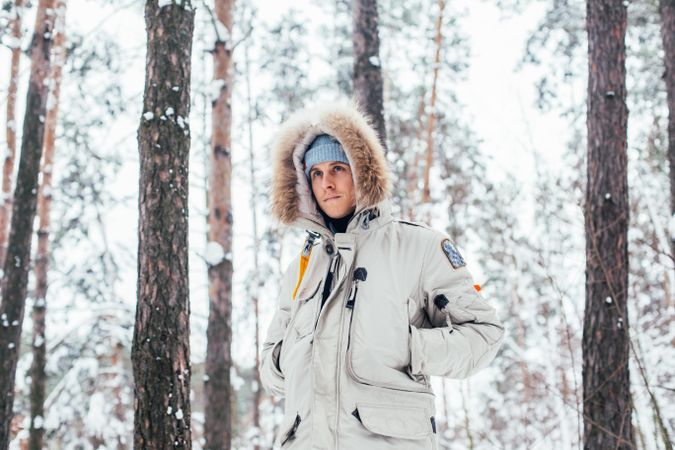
(327, 181)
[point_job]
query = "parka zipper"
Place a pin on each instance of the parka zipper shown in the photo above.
(327, 288)
(337, 386)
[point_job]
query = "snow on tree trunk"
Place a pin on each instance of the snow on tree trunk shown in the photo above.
(607, 397)
(426, 193)
(667, 10)
(161, 347)
(217, 390)
(17, 260)
(37, 370)
(367, 76)
(8, 165)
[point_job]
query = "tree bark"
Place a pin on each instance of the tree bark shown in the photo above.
(23, 214)
(218, 403)
(426, 193)
(8, 165)
(161, 347)
(37, 370)
(606, 344)
(667, 11)
(367, 78)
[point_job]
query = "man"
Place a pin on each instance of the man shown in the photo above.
(372, 307)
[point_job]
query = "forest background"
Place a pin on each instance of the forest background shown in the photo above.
(507, 182)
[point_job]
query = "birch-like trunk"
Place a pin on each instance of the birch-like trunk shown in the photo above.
(667, 11)
(218, 405)
(37, 370)
(255, 281)
(413, 171)
(8, 164)
(438, 41)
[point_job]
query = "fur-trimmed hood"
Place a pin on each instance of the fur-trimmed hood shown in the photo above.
(291, 193)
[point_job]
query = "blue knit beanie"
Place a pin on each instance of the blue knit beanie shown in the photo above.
(324, 148)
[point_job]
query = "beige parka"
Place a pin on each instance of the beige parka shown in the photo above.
(378, 310)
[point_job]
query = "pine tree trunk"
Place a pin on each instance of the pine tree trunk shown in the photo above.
(8, 165)
(426, 193)
(161, 346)
(667, 10)
(255, 282)
(368, 89)
(37, 370)
(17, 261)
(218, 403)
(606, 344)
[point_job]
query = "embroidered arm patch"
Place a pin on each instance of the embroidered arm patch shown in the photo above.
(453, 254)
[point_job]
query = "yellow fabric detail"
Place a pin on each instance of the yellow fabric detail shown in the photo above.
(304, 262)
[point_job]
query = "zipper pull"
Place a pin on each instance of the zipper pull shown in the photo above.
(309, 242)
(360, 274)
(352, 296)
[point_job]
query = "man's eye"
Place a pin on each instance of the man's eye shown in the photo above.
(316, 173)
(339, 168)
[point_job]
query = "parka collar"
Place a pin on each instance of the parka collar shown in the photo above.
(367, 220)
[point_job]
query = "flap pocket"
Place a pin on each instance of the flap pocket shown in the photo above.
(398, 421)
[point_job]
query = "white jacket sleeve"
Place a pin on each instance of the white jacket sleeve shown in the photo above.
(270, 375)
(465, 332)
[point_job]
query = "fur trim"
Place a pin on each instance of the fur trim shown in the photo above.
(291, 193)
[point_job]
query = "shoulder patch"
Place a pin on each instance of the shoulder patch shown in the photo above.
(453, 254)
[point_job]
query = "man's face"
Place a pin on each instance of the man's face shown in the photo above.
(333, 188)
